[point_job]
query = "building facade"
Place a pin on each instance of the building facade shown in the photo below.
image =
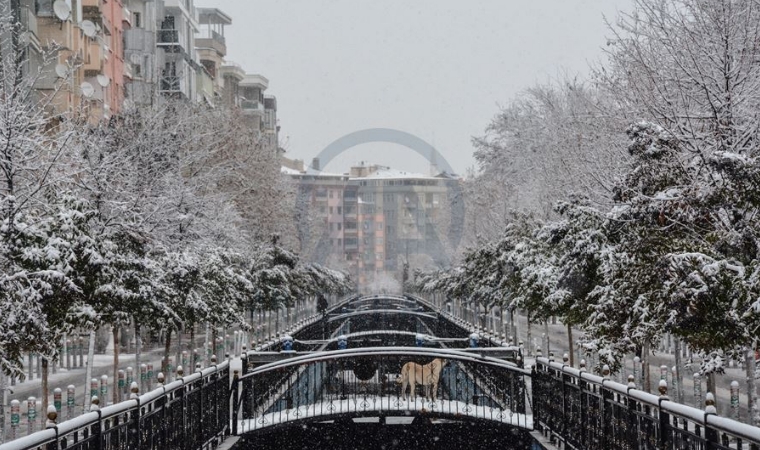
(98, 56)
(375, 218)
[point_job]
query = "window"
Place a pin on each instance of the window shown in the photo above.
(379, 241)
(340, 241)
(331, 226)
(331, 208)
(340, 225)
(340, 209)
(330, 193)
(379, 226)
(136, 20)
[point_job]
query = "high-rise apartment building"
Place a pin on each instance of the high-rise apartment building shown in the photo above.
(98, 55)
(375, 218)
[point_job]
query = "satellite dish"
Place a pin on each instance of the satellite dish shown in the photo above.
(135, 58)
(103, 80)
(62, 70)
(88, 28)
(61, 9)
(87, 89)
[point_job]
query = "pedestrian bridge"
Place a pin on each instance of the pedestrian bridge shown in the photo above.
(364, 383)
(335, 384)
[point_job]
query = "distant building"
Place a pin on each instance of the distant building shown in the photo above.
(375, 218)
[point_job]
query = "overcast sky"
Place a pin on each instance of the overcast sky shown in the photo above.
(438, 69)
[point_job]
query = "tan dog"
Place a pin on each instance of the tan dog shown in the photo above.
(426, 375)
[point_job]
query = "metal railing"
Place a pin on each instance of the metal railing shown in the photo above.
(365, 381)
(585, 411)
(194, 409)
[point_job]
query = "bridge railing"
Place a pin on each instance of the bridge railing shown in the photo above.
(586, 411)
(190, 413)
(365, 382)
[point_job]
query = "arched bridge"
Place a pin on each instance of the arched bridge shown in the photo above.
(365, 382)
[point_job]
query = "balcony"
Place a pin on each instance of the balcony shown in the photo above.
(173, 86)
(213, 40)
(169, 40)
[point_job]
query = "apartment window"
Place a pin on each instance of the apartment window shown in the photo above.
(136, 20)
(340, 226)
(379, 227)
(322, 209)
(331, 208)
(379, 241)
(331, 193)
(340, 209)
(340, 242)
(331, 226)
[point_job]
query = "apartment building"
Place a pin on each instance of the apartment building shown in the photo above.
(375, 218)
(104, 54)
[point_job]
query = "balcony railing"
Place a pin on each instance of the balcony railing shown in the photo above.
(251, 105)
(170, 84)
(211, 34)
(168, 37)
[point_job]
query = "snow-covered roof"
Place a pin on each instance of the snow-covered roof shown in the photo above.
(393, 173)
(309, 171)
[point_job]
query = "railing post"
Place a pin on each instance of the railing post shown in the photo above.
(665, 434)
(133, 435)
(606, 415)
(235, 392)
(711, 435)
(97, 427)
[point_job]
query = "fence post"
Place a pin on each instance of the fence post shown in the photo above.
(633, 428)
(537, 392)
(15, 418)
(70, 401)
(31, 414)
(57, 397)
(235, 392)
(665, 435)
(134, 429)
(711, 435)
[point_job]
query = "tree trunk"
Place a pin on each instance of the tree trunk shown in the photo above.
(679, 370)
(115, 390)
(752, 407)
(645, 368)
(191, 352)
(167, 351)
(529, 341)
(214, 337)
(45, 387)
(88, 372)
(138, 350)
(179, 351)
(571, 352)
